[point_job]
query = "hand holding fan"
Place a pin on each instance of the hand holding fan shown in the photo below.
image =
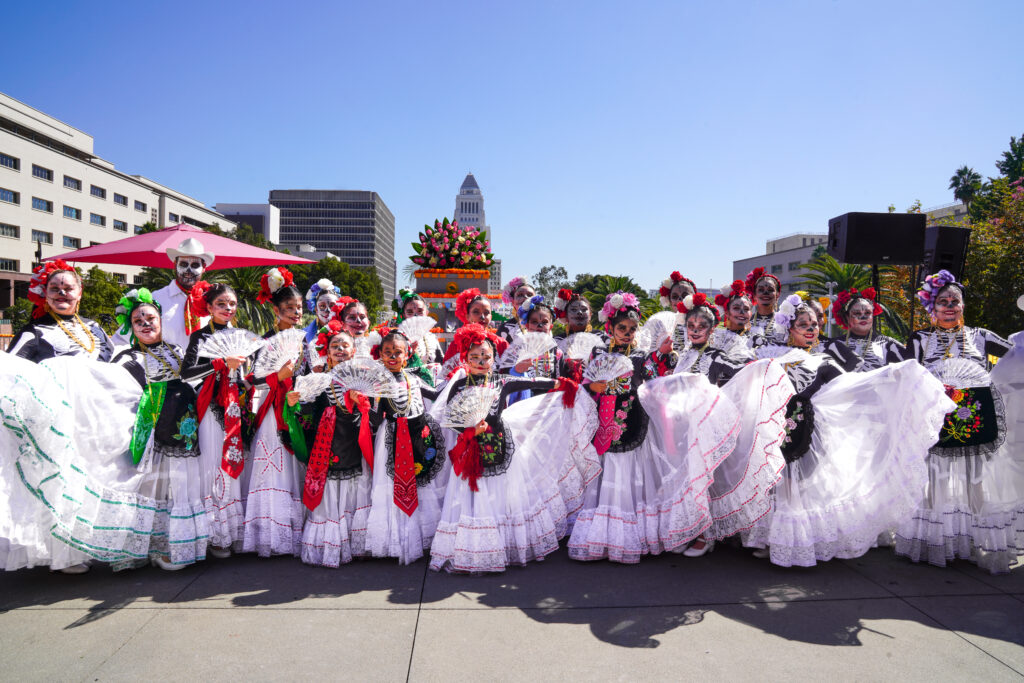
(230, 342)
(286, 345)
(368, 377)
(469, 407)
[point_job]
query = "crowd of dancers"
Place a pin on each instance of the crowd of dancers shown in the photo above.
(184, 436)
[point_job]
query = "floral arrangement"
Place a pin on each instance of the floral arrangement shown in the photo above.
(671, 281)
(445, 295)
(37, 285)
(320, 286)
(509, 292)
(787, 314)
(323, 337)
(758, 274)
(698, 300)
(528, 306)
(461, 272)
(447, 245)
(619, 302)
(131, 300)
(273, 280)
(932, 285)
(965, 422)
(846, 297)
(737, 289)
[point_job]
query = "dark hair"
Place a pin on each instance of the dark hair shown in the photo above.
(624, 314)
(350, 305)
(478, 297)
(946, 286)
(537, 307)
(216, 289)
(339, 333)
(704, 312)
(414, 297)
(393, 336)
(489, 342)
(285, 293)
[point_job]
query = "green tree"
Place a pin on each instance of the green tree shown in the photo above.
(359, 283)
(990, 200)
(596, 289)
(100, 294)
(1011, 165)
(965, 183)
(548, 280)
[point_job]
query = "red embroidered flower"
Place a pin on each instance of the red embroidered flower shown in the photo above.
(426, 432)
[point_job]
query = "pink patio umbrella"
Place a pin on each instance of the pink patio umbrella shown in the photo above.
(150, 249)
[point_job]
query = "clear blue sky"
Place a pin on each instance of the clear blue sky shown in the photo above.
(634, 138)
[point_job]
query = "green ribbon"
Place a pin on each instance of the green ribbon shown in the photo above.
(295, 432)
(150, 405)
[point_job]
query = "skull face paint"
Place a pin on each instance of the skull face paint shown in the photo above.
(577, 314)
(188, 271)
(324, 303)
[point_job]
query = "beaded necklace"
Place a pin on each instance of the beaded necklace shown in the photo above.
(958, 339)
(71, 335)
(408, 398)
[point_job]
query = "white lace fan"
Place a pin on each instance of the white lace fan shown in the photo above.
(368, 377)
(657, 328)
(530, 345)
(579, 346)
(286, 345)
(312, 385)
(469, 407)
(961, 373)
(608, 366)
(231, 341)
(416, 327)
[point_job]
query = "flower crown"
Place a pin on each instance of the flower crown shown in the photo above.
(37, 285)
(399, 302)
(730, 292)
(619, 302)
(787, 314)
(462, 302)
(562, 300)
(474, 334)
(339, 306)
(324, 335)
(846, 298)
(319, 287)
(131, 300)
(509, 293)
(698, 300)
(755, 276)
(931, 287)
(529, 305)
(666, 287)
(273, 280)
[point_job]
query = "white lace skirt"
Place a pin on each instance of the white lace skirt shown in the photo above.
(865, 471)
(274, 513)
(181, 525)
(335, 531)
(222, 494)
(515, 517)
(974, 507)
(389, 531)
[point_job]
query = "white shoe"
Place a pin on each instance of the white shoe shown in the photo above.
(219, 553)
(80, 568)
(701, 546)
(762, 553)
(166, 565)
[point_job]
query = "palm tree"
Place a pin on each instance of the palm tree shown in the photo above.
(824, 269)
(602, 285)
(252, 314)
(965, 183)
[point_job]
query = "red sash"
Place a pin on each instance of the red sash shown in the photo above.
(466, 459)
(606, 423)
(233, 453)
(319, 460)
(277, 397)
(405, 494)
(365, 435)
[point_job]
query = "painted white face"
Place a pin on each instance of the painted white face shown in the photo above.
(766, 293)
(414, 308)
(146, 324)
(289, 313)
(539, 320)
(804, 332)
(188, 271)
(577, 314)
(679, 291)
(340, 348)
(739, 313)
(624, 331)
(949, 307)
(522, 294)
(698, 329)
(859, 317)
(324, 303)
(480, 359)
(63, 292)
(356, 321)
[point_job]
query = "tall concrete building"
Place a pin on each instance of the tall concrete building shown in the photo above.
(56, 195)
(262, 218)
(469, 211)
(782, 258)
(354, 225)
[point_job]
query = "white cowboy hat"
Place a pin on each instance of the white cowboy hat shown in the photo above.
(190, 248)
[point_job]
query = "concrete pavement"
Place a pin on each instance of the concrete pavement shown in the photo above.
(726, 616)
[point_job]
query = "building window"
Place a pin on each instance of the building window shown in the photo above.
(137, 280)
(7, 230)
(72, 242)
(9, 196)
(120, 278)
(120, 226)
(9, 264)
(42, 205)
(97, 219)
(7, 161)
(42, 173)
(120, 199)
(138, 229)
(94, 244)
(73, 213)
(42, 236)
(174, 217)
(140, 206)
(794, 265)
(98, 192)
(72, 183)
(776, 269)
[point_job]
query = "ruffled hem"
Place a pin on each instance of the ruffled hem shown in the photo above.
(181, 533)
(992, 541)
(335, 532)
(604, 533)
(226, 513)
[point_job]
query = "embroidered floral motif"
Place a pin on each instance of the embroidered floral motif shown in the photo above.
(965, 422)
(187, 430)
(792, 421)
(491, 445)
(618, 425)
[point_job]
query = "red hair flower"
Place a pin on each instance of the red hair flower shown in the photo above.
(758, 274)
(729, 292)
(273, 280)
(561, 302)
(197, 298)
(323, 339)
(37, 284)
(462, 302)
(695, 301)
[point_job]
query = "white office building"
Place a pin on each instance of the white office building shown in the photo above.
(57, 195)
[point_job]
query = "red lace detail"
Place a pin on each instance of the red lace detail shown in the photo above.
(606, 431)
(466, 459)
(319, 460)
(405, 470)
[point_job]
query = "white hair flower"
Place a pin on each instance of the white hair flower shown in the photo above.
(617, 301)
(688, 301)
(324, 284)
(274, 280)
(667, 282)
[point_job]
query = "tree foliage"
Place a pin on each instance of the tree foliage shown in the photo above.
(965, 183)
(1011, 165)
(548, 280)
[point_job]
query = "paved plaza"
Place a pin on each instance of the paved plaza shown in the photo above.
(726, 616)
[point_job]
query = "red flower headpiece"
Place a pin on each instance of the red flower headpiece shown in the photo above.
(562, 301)
(758, 274)
(37, 285)
(695, 301)
(666, 286)
(472, 335)
(737, 289)
(197, 298)
(339, 306)
(462, 302)
(846, 298)
(323, 339)
(273, 280)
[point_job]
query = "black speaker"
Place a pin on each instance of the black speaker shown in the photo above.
(882, 238)
(945, 247)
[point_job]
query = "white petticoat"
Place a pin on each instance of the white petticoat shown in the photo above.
(335, 531)
(865, 470)
(974, 508)
(68, 489)
(274, 513)
(654, 498)
(222, 494)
